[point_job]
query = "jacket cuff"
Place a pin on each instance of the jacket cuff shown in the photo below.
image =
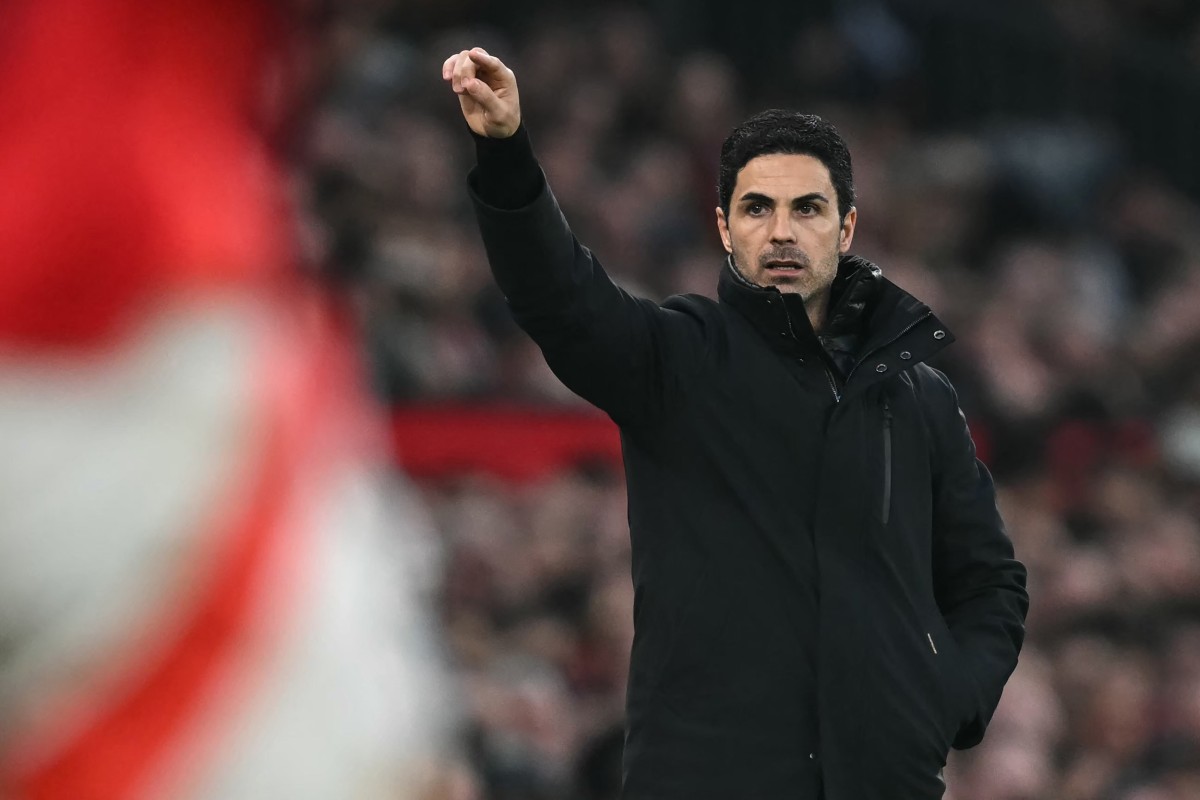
(508, 176)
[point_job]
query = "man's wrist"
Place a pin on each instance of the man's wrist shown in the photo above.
(508, 174)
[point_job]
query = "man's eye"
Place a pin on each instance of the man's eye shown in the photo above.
(807, 209)
(755, 209)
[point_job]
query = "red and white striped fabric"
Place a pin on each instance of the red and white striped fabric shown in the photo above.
(198, 592)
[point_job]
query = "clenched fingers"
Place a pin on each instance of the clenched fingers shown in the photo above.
(476, 62)
(488, 62)
(458, 69)
(451, 63)
(487, 91)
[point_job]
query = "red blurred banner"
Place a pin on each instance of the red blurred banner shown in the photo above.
(512, 443)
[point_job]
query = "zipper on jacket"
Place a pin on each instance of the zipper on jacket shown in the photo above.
(932, 646)
(837, 396)
(887, 464)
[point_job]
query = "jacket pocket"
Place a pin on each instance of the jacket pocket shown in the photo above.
(936, 645)
(886, 511)
(955, 692)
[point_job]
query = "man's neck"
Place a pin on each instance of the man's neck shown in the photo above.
(817, 307)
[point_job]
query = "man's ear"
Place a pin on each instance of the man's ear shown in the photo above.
(847, 232)
(723, 229)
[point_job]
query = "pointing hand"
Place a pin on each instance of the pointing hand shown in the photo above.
(487, 92)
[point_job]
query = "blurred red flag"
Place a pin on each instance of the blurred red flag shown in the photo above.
(188, 495)
(132, 159)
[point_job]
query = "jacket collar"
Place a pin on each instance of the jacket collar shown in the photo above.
(893, 330)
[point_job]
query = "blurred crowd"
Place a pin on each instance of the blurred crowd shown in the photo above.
(1068, 269)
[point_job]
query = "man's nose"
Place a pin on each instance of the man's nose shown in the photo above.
(781, 228)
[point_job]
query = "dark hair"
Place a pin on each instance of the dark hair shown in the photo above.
(780, 131)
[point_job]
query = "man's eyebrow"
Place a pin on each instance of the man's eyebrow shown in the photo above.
(809, 198)
(756, 197)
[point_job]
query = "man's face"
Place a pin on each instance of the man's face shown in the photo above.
(783, 228)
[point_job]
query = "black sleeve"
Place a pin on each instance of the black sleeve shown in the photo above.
(624, 354)
(979, 584)
(508, 175)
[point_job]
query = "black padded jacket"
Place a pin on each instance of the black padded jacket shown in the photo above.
(824, 590)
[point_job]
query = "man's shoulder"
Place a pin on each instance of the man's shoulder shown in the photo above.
(695, 304)
(933, 391)
(926, 379)
(700, 310)
(697, 320)
(937, 400)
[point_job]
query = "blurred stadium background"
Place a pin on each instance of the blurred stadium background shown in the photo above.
(1029, 168)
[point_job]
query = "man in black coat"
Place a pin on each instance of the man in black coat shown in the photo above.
(826, 599)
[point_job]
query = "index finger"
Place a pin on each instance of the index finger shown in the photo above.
(485, 59)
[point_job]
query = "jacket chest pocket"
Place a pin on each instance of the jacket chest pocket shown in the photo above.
(901, 471)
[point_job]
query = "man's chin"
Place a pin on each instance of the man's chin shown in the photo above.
(784, 284)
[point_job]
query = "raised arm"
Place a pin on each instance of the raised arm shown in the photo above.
(624, 354)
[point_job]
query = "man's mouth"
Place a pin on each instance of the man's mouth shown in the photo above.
(784, 266)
